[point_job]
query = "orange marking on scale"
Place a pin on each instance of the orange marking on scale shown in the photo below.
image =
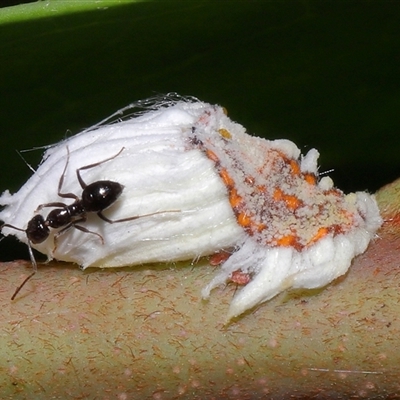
(244, 219)
(292, 201)
(278, 194)
(226, 178)
(234, 198)
(295, 167)
(322, 232)
(261, 227)
(212, 156)
(310, 178)
(288, 240)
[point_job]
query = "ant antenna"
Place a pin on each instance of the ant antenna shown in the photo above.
(33, 261)
(22, 285)
(32, 257)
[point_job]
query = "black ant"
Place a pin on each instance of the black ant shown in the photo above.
(95, 198)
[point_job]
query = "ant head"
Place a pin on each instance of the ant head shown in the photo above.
(100, 195)
(37, 231)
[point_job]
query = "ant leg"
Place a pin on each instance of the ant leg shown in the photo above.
(61, 182)
(59, 233)
(111, 221)
(50, 205)
(79, 227)
(83, 229)
(78, 171)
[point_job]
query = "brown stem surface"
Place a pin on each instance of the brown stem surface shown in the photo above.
(146, 333)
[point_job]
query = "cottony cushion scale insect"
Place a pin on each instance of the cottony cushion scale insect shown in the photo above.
(199, 185)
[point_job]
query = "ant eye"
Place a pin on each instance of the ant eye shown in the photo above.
(100, 195)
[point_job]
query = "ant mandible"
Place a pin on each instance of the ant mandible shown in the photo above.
(96, 197)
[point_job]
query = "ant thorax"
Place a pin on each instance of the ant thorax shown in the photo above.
(186, 181)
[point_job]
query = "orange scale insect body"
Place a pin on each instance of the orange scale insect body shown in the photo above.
(273, 199)
(298, 231)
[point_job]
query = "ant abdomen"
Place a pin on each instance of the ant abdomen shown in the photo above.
(100, 195)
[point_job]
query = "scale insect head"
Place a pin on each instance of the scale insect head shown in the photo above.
(95, 198)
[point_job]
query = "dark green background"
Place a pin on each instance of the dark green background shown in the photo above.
(323, 74)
